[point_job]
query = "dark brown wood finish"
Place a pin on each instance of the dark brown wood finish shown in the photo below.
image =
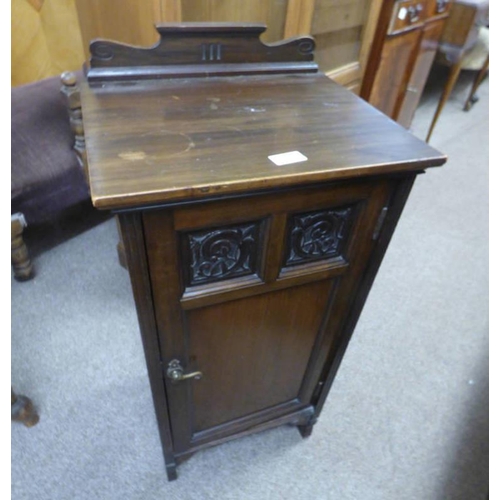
(193, 140)
(201, 49)
(357, 298)
(281, 316)
(133, 240)
(248, 277)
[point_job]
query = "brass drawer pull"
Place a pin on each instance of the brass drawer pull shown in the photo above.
(175, 372)
(441, 6)
(414, 12)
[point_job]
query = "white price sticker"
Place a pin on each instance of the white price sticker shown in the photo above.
(287, 158)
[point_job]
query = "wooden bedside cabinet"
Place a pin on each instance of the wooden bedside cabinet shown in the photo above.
(249, 270)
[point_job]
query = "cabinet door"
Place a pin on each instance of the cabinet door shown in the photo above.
(427, 52)
(251, 293)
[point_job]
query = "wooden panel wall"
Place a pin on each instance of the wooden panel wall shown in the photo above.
(273, 13)
(339, 27)
(45, 39)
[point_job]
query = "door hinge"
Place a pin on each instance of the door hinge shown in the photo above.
(317, 390)
(380, 223)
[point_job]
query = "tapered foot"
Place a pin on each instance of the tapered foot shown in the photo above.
(306, 430)
(171, 472)
(23, 411)
(472, 100)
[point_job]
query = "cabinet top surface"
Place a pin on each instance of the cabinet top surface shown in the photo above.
(160, 141)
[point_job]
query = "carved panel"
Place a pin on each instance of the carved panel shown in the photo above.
(318, 235)
(223, 253)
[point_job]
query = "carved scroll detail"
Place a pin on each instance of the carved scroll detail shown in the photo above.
(201, 49)
(318, 235)
(223, 253)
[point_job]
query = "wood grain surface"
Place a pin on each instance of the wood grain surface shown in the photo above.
(162, 141)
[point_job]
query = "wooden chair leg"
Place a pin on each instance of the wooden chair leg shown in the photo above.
(452, 79)
(479, 78)
(21, 263)
(22, 410)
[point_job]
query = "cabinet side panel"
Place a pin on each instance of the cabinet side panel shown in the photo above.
(133, 239)
(359, 295)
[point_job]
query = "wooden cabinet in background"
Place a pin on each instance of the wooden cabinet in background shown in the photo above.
(403, 51)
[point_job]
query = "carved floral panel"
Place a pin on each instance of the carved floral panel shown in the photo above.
(222, 253)
(318, 235)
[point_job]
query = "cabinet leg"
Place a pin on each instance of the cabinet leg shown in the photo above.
(22, 410)
(171, 472)
(306, 429)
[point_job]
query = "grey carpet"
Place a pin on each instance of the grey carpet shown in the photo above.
(407, 417)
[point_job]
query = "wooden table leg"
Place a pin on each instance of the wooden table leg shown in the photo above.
(22, 410)
(470, 100)
(452, 79)
(23, 270)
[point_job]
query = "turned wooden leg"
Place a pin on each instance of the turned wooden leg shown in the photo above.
(452, 79)
(479, 78)
(71, 92)
(22, 410)
(306, 429)
(23, 270)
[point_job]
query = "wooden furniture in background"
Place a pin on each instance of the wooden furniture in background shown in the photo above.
(22, 410)
(460, 36)
(45, 39)
(47, 179)
(402, 54)
(248, 275)
(343, 30)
